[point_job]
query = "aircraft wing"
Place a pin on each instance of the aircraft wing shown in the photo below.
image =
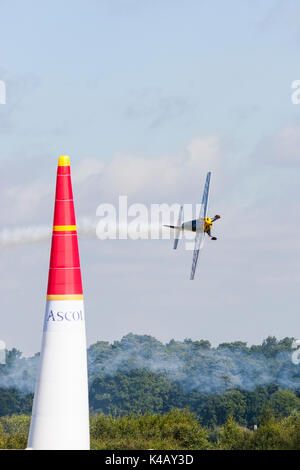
(199, 240)
(204, 203)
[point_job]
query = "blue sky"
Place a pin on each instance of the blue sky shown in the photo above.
(145, 96)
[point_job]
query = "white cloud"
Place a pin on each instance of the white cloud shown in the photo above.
(23, 201)
(286, 145)
(86, 168)
(204, 152)
(282, 148)
(167, 176)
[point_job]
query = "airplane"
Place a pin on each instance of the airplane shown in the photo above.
(201, 226)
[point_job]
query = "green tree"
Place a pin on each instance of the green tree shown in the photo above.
(233, 437)
(283, 402)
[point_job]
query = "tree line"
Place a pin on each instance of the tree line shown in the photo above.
(177, 429)
(229, 385)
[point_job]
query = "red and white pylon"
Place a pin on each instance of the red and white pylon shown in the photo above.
(60, 415)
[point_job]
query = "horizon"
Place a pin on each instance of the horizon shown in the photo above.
(178, 341)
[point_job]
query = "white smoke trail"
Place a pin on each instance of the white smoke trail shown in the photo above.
(10, 237)
(23, 235)
(39, 233)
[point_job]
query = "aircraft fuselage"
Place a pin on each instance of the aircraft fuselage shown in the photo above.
(197, 225)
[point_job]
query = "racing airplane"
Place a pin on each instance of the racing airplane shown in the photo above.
(201, 226)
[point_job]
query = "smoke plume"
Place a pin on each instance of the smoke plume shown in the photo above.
(195, 365)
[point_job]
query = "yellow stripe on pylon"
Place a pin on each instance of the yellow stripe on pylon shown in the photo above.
(64, 228)
(65, 297)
